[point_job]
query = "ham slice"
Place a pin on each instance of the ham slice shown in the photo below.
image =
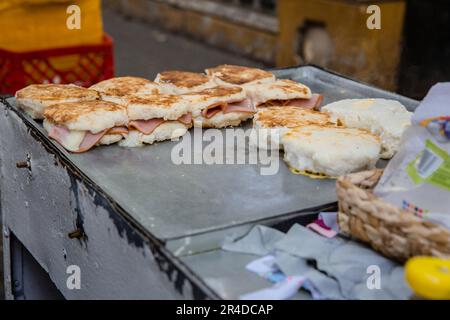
(146, 126)
(186, 119)
(312, 103)
(118, 130)
(60, 133)
(212, 110)
(90, 140)
(243, 106)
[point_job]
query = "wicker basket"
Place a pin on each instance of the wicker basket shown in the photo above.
(390, 230)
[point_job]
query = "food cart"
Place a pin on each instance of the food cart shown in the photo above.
(134, 224)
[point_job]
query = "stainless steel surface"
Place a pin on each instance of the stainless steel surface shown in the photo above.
(173, 201)
(225, 273)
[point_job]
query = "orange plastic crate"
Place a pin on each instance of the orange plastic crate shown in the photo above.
(81, 65)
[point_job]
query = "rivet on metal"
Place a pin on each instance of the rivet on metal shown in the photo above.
(75, 234)
(23, 164)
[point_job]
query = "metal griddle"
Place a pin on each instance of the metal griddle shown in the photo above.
(174, 201)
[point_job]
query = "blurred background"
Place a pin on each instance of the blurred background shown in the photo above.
(141, 37)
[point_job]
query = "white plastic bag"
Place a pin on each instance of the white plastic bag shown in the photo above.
(417, 179)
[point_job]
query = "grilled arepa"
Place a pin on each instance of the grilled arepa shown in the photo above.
(156, 117)
(115, 89)
(271, 122)
(220, 107)
(179, 82)
(35, 98)
(283, 93)
(79, 126)
(231, 75)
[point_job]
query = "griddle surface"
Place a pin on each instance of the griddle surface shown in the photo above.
(173, 201)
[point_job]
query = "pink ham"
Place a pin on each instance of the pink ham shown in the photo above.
(312, 103)
(118, 130)
(146, 126)
(212, 110)
(186, 119)
(90, 140)
(59, 133)
(243, 106)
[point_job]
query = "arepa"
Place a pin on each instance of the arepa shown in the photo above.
(231, 75)
(115, 89)
(385, 118)
(271, 122)
(220, 107)
(282, 93)
(35, 98)
(179, 82)
(79, 126)
(330, 151)
(156, 117)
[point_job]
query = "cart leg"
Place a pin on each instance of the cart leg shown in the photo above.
(6, 263)
(24, 277)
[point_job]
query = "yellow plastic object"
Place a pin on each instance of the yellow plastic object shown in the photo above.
(429, 277)
(42, 24)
